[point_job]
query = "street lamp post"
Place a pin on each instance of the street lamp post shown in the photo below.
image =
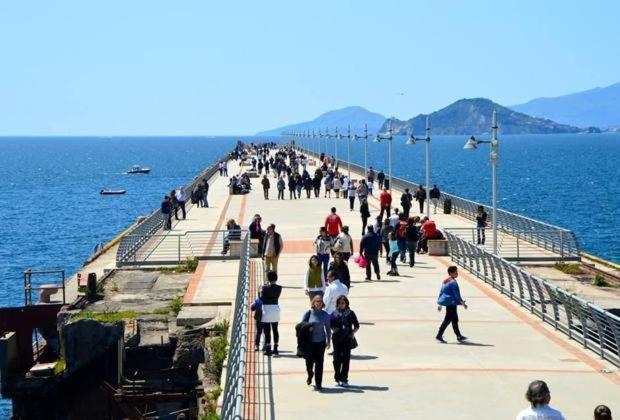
(427, 141)
(472, 144)
(378, 139)
(365, 137)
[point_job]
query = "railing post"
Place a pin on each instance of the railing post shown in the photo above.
(562, 245)
(179, 248)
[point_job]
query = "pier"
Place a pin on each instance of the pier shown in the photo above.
(521, 327)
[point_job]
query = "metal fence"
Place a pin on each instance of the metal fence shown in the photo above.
(590, 325)
(555, 239)
(130, 244)
(174, 248)
(234, 389)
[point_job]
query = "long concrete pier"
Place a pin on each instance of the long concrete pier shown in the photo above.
(399, 370)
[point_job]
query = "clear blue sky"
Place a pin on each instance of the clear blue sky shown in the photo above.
(224, 67)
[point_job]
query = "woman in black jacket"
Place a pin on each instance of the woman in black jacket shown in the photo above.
(269, 296)
(365, 214)
(344, 325)
(341, 268)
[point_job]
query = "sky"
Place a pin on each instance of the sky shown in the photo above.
(238, 67)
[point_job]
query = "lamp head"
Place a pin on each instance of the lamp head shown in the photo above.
(354, 137)
(377, 139)
(472, 143)
(410, 140)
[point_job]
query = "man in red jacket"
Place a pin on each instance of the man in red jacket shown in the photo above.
(333, 224)
(385, 200)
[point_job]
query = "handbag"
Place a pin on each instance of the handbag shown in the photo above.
(353, 343)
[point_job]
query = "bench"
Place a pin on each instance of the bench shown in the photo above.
(251, 174)
(235, 248)
(438, 247)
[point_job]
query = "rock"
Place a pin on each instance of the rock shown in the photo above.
(86, 339)
(190, 348)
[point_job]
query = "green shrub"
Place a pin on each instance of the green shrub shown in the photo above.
(219, 350)
(210, 407)
(600, 281)
(162, 311)
(221, 328)
(571, 269)
(107, 317)
(188, 265)
(60, 366)
(176, 305)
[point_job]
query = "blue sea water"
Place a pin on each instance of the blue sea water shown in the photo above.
(53, 215)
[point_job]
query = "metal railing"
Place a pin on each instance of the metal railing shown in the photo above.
(234, 389)
(550, 237)
(173, 248)
(590, 325)
(130, 244)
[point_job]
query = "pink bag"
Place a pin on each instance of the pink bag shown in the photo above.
(362, 262)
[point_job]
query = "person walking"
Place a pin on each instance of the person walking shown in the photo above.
(329, 183)
(405, 202)
(385, 203)
(281, 185)
(450, 297)
(369, 248)
(323, 244)
(308, 186)
(269, 296)
(292, 184)
(225, 168)
(333, 291)
(181, 197)
(273, 246)
(401, 236)
(337, 186)
(351, 194)
(175, 203)
(166, 211)
(362, 191)
(385, 238)
(538, 396)
(381, 179)
(369, 187)
(316, 183)
(411, 237)
(197, 195)
(339, 266)
(344, 244)
(205, 193)
(481, 224)
(333, 223)
(321, 339)
(394, 252)
(434, 194)
(315, 282)
(266, 185)
(344, 325)
(420, 196)
(364, 214)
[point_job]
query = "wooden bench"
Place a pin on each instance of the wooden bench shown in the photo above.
(251, 174)
(438, 247)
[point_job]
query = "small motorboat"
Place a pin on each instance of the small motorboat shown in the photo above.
(112, 192)
(137, 169)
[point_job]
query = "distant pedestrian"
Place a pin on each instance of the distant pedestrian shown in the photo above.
(434, 195)
(333, 223)
(420, 196)
(337, 186)
(351, 194)
(538, 396)
(385, 238)
(181, 197)
(269, 296)
(281, 185)
(450, 297)
(273, 246)
(225, 168)
(405, 202)
(197, 194)
(385, 203)
(175, 203)
(381, 179)
(394, 252)
(362, 191)
(364, 214)
(339, 266)
(292, 184)
(329, 183)
(166, 211)
(316, 183)
(602, 412)
(344, 325)
(323, 245)
(481, 224)
(371, 175)
(369, 248)
(335, 288)
(315, 282)
(412, 235)
(344, 244)
(266, 185)
(233, 234)
(369, 187)
(321, 339)
(205, 193)
(256, 231)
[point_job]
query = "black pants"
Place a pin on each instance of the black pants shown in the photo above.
(481, 236)
(291, 194)
(451, 317)
(266, 192)
(374, 260)
(168, 224)
(384, 209)
(386, 246)
(406, 211)
(259, 331)
(342, 359)
(364, 224)
(182, 206)
(421, 206)
(268, 327)
(411, 245)
(314, 363)
(317, 191)
(351, 202)
(280, 194)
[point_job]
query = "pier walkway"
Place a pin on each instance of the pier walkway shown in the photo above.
(399, 370)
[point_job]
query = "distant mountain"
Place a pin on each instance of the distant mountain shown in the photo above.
(355, 116)
(473, 116)
(599, 107)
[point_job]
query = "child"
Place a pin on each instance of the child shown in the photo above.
(394, 251)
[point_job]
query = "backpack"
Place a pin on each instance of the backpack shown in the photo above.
(400, 230)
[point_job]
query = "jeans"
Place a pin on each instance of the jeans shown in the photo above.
(182, 207)
(351, 203)
(205, 201)
(267, 328)
(374, 261)
(324, 260)
(451, 317)
(481, 236)
(315, 362)
(167, 221)
(402, 248)
(411, 245)
(393, 258)
(342, 359)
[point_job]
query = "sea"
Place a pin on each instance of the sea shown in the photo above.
(54, 215)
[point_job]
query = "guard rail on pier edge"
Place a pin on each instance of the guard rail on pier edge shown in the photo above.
(130, 244)
(550, 237)
(590, 325)
(234, 389)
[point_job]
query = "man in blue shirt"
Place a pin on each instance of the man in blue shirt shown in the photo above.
(369, 248)
(450, 297)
